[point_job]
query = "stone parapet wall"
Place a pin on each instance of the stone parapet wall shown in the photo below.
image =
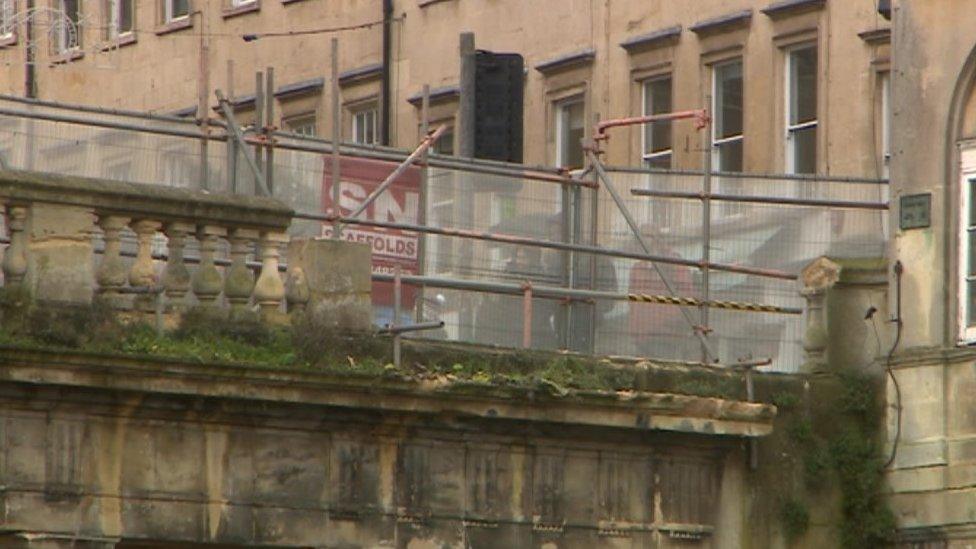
(135, 450)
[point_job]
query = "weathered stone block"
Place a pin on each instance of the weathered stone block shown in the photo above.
(338, 275)
(60, 252)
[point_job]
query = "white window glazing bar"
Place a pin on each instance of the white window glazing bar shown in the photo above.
(967, 331)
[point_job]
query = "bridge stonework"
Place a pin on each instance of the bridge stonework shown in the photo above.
(102, 453)
(103, 446)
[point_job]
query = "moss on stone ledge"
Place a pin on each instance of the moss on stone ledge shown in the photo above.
(208, 336)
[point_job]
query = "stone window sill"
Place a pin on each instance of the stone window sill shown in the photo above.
(249, 7)
(425, 3)
(175, 25)
(8, 40)
(126, 39)
(67, 56)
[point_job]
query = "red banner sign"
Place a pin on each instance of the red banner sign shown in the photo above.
(400, 203)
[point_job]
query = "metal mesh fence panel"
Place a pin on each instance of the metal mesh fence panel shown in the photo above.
(673, 230)
(764, 232)
(779, 236)
(501, 205)
(110, 153)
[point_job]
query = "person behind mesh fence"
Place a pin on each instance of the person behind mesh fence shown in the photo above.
(576, 331)
(499, 317)
(660, 331)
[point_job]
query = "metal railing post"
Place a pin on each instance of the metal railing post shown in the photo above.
(591, 312)
(527, 315)
(594, 242)
(258, 127)
(231, 143)
(706, 239)
(203, 93)
(268, 130)
(395, 323)
(336, 139)
(423, 201)
(566, 308)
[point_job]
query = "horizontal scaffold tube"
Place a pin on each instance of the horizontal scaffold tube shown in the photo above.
(302, 144)
(554, 292)
(512, 239)
(175, 132)
(848, 204)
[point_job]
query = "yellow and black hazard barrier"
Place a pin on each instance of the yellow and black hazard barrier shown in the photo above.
(729, 305)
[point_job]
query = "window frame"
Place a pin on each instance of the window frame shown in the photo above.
(789, 88)
(113, 13)
(559, 107)
(62, 32)
(169, 18)
(967, 239)
(355, 131)
(8, 8)
(717, 142)
(446, 139)
(301, 119)
(647, 157)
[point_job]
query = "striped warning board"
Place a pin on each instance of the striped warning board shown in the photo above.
(729, 305)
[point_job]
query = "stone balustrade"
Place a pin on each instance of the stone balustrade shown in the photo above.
(52, 221)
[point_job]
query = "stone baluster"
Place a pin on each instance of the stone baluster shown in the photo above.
(239, 280)
(815, 335)
(817, 277)
(207, 282)
(111, 275)
(296, 290)
(15, 258)
(269, 289)
(176, 277)
(143, 272)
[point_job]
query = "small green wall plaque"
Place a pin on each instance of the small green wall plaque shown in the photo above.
(915, 211)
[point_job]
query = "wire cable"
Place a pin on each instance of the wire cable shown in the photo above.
(250, 37)
(899, 269)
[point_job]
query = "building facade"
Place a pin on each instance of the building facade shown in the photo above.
(933, 104)
(797, 86)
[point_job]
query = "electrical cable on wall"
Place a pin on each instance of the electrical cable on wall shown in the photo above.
(251, 37)
(899, 269)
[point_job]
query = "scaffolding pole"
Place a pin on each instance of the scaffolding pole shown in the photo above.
(304, 144)
(336, 136)
(236, 133)
(425, 144)
(579, 294)
(699, 331)
(753, 199)
(706, 254)
(527, 241)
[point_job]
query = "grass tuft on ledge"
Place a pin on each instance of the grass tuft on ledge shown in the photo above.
(213, 336)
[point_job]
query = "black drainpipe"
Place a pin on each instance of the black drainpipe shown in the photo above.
(387, 58)
(884, 8)
(30, 81)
